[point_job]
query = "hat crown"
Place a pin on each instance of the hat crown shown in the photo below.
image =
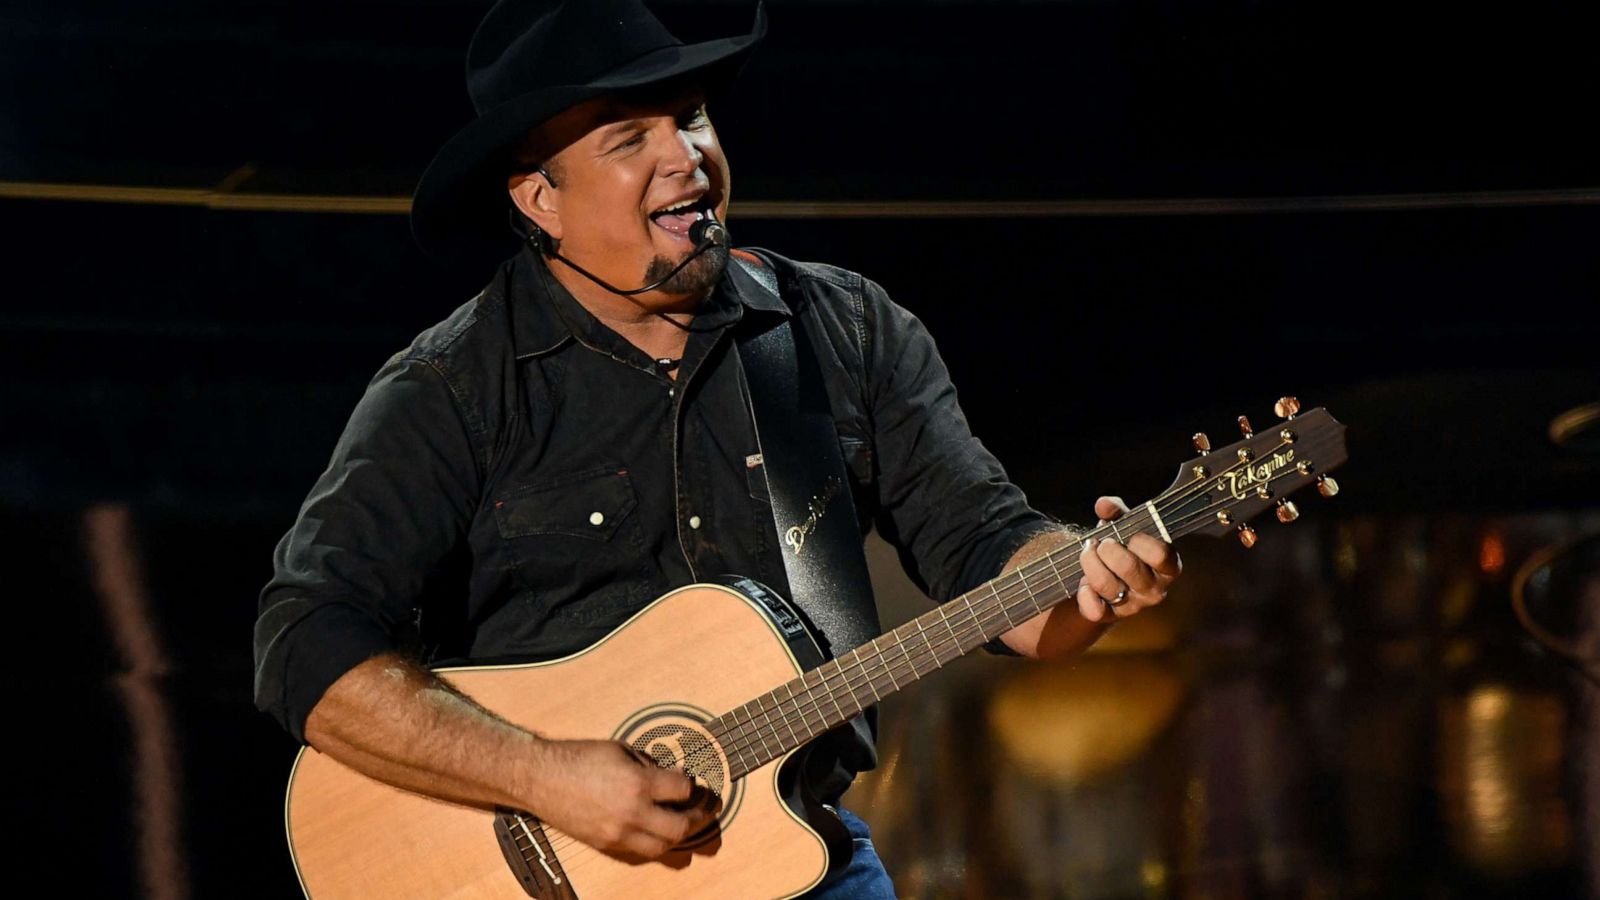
(527, 45)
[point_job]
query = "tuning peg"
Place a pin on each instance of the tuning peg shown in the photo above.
(1287, 511)
(1286, 407)
(1202, 444)
(1247, 536)
(1244, 427)
(1326, 486)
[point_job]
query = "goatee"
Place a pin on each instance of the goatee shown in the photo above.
(699, 276)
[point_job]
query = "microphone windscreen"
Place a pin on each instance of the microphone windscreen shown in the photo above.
(709, 228)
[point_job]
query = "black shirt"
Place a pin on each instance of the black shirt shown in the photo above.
(521, 479)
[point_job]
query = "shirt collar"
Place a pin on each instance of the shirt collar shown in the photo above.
(546, 315)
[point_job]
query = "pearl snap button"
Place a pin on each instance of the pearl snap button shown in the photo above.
(694, 521)
(596, 518)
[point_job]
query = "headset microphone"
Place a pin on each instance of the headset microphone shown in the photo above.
(706, 233)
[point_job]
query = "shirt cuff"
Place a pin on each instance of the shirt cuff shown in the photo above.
(310, 655)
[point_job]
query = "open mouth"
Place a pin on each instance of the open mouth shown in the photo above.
(679, 217)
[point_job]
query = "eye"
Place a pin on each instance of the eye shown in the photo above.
(634, 141)
(696, 118)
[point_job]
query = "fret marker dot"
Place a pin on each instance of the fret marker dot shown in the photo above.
(694, 521)
(595, 518)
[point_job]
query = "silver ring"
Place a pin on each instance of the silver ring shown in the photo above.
(1119, 599)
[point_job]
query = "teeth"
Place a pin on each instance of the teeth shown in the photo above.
(690, 202)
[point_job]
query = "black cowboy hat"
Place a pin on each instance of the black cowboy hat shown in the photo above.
(529, 60)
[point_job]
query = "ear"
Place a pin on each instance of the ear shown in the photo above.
(538, 199)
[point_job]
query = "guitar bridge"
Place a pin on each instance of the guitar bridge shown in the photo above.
(528, 852)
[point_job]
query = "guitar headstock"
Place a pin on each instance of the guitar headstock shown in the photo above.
(1220, 491)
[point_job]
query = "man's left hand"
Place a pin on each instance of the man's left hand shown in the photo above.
(1120, 580)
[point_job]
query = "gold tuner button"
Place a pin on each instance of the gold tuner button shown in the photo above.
(1304, 467)
(1264, 492)
(1287, 512)
(1286, 407)
(1224, 517)
(1246, 454)
(1202, 444)
(1244, 427)
(1247, 536)
(1326, 486)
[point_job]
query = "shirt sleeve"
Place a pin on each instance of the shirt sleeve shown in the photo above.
(944, 500)
(397, 496)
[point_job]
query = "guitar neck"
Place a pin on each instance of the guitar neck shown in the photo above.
(838, 690)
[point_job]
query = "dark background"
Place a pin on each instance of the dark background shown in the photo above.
(189, 365)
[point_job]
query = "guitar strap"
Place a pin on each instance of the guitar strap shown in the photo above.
(813, 510)
(812, 507)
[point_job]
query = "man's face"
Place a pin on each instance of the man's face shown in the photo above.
(632, 174)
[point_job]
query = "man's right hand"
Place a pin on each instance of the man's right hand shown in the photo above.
(620, 803)
(401, 724)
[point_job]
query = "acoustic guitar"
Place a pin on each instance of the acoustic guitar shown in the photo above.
(724, 682)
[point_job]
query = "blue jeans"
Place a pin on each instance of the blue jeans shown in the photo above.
(865, 877)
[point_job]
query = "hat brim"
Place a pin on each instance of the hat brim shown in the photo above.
(461, 200)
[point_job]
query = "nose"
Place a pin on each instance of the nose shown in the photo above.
(681, 155)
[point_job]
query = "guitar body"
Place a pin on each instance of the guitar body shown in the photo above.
(691, 655)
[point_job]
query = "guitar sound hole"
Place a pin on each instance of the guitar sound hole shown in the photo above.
(675, 746)
(673, 743)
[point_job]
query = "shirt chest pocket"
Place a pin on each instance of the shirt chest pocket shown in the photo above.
(578, 549)
(594, 504)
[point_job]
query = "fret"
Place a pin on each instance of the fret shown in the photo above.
(862, 668)
(927, 643)
(738, 734)
(973, 614)
(1061, 582)
(822, 678)
(953, 639)
(888, 668)
(720, 737)
(771, 740)
(763, 733)
(739, 731)
(994, 592)
(1030, 593)
(754, 730)
(752, 727)
(807, 694)
(792, 735)
(736, 761)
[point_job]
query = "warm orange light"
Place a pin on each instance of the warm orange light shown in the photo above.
(1492, 553)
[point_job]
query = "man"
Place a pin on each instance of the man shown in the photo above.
(540, 465)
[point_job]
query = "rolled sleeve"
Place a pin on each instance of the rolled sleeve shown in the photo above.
(397, 496)
(944, 501)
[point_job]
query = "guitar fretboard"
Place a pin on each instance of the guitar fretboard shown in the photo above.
(838, 690)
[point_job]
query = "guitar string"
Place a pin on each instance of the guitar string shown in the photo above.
(1005, 601)
(1017, 593)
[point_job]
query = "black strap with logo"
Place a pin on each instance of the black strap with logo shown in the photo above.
(812, 508)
